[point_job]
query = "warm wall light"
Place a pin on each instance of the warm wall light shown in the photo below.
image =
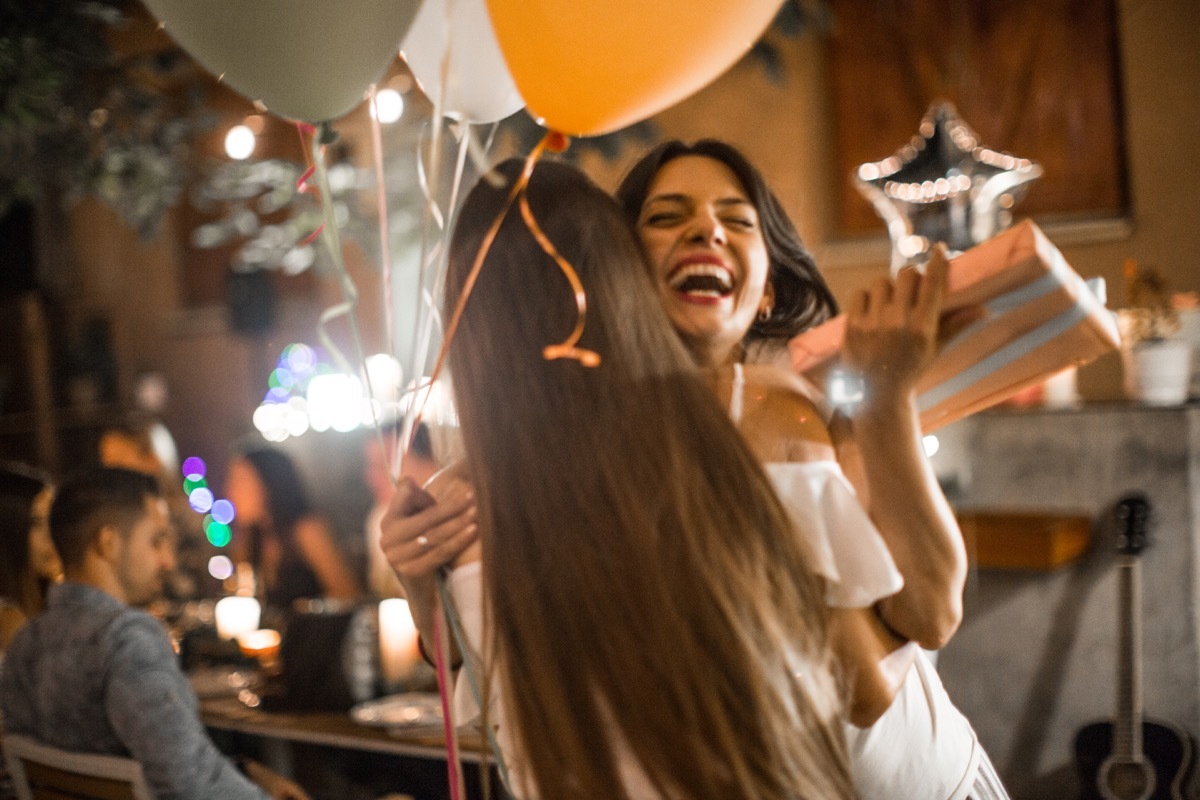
(390, 105)
(239, 142)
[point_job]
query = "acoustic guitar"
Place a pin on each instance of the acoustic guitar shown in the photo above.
(1130, 758)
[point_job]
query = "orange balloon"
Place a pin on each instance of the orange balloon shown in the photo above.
(587, 67)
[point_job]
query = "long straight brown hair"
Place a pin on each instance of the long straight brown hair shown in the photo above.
(644, 590)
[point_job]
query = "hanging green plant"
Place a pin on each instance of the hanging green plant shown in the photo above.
(78, 118)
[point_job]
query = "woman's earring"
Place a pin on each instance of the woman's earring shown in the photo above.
(764, 314)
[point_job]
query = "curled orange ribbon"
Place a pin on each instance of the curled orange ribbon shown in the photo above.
(556, 142)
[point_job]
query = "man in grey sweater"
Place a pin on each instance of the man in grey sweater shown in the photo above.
(94, 674)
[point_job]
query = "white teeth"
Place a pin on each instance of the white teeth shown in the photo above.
(679, 276)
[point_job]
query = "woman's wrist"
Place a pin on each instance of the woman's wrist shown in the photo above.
(455, 661)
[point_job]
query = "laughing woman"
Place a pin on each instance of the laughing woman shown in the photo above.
(734, 277)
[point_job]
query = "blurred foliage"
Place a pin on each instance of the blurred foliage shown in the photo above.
(76, 117)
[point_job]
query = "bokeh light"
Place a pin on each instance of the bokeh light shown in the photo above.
(218, 533)
(239, 142)
(201, 499)
(220, 567)
(931, 445)
(192, 484)
(194, 467)
(334, 401)
(299, 358)
(390, 105)
(223, 511)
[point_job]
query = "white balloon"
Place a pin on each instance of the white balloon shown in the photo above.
(478, 86)
(311, 60)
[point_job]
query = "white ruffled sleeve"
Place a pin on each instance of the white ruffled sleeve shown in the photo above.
(466, 588)
(849, 552)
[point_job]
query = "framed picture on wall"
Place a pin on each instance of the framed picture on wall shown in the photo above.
(1039, 79)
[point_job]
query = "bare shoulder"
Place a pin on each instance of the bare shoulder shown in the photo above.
(780, 418)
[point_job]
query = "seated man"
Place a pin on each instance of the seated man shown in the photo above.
(91, 673)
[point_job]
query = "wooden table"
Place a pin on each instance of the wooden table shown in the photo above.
(334, 757)
(332, 730)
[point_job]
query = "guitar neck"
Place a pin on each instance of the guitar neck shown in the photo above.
(1127, 728)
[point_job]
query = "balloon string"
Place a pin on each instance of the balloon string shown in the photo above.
(431, 217)
(385, 258)
(302, 182)
(441, 648)
(567, 349)
(349, 292)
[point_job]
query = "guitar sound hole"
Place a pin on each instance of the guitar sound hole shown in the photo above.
(1129, 780)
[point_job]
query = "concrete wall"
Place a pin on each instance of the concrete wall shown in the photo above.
(1036, 656)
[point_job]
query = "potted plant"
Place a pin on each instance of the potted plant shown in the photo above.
(1157, 367)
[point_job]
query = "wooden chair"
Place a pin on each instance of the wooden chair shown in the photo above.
(41, 772)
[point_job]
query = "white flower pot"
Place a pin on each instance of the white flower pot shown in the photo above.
(1158, 373)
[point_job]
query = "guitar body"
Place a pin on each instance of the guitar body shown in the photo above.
(1166, 763)
(1129, 758)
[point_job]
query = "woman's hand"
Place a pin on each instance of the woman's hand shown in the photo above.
(892, 329)
(422, 532)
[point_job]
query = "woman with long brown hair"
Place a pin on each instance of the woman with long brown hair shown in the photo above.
(28, 561)
(650, 624)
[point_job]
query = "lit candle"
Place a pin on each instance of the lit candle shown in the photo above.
(398, 652)
(262, 644)
(236, 615)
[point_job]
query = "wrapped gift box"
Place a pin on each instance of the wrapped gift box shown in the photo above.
(1039, 317)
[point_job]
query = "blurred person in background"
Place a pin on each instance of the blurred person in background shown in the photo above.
(293, 550)
(29, 564)
(142, 443)
(93, 673)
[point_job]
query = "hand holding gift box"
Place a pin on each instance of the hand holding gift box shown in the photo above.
(1038, 317)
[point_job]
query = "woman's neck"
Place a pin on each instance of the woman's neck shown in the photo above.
(713, 357)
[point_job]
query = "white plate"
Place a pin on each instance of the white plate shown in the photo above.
(210, 682)
(408, 710)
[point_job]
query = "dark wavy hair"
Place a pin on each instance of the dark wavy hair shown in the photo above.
(802, 298)
(287, 499)
(19, 487)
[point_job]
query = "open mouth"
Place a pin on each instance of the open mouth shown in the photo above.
(701, 280)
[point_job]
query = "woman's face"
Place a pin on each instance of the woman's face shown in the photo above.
(246, 491)
(43, 558)
(701, 235)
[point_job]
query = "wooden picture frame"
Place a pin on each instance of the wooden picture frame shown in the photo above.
(1039, 79)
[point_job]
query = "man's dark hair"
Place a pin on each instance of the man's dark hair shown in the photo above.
(89, 500)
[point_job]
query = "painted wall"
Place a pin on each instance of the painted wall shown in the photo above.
(1036, 656)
